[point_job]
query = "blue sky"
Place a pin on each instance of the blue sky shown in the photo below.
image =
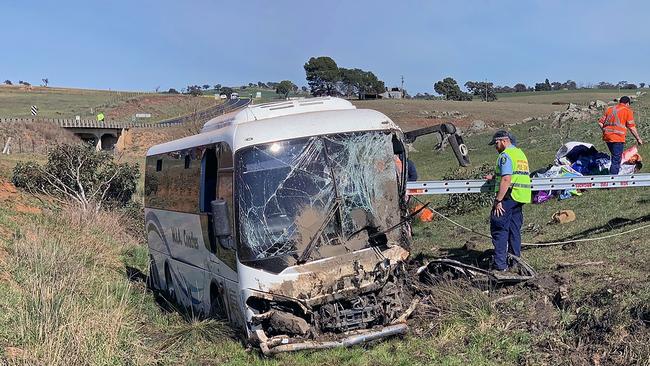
(142, 44)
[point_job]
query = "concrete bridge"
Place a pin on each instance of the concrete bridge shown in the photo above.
(106, 135)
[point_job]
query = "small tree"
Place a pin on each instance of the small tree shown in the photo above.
(172, 91)
(8, 82)
(284, 88)
(78, 174)
(217, 87)
(206, 86)
(519, 88)
(482, 89)
(194, 90)
(45, 81)
(227, 91)
(450, 89)
(642, 85)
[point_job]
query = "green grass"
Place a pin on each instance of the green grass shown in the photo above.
(579, 96)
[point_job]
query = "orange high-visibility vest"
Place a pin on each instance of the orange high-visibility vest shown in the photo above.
(615, 123)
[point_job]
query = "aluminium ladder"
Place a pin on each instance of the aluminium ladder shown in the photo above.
(433, 187)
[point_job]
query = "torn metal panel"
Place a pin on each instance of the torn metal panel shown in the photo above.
(453, 269)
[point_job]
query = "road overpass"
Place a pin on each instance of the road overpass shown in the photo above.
(106, 135)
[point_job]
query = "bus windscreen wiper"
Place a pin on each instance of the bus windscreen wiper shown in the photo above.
(314, 239)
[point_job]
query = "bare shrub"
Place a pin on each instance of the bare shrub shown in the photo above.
(79, 174)
(464, 203)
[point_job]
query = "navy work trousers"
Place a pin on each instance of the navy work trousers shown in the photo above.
(616, 149)
(506, 232)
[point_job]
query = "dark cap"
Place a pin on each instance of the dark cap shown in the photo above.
(624, 99)
(499, 135)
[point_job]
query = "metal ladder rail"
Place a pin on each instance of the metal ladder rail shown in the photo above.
(434, 187)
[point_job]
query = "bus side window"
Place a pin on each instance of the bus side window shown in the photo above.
(226, 170)
(225, 192)
(208, 179)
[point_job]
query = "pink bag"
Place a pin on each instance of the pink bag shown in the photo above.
(631, 155)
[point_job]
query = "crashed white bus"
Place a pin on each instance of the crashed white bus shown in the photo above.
(288, 219)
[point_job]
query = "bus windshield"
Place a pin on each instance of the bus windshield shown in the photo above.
(315, 197)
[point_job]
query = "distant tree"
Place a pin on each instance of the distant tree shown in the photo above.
(606, 85)
(20, 82)
(272, 84)
(250, 85)
(304, 88)
(359, 82)
(8, 82)
(284, 88)
(157, 88)
(26, 83)
(261, 85)
(45, 81)
(172, 91)
(206, 86)
(217, 87)
(482, 89)
(642, 85)
(621, 84)
(243, 87)
(545, 86)
(322, 75)
(194, 90)
(570, 84)
(556, 85)
(520, 88)
(629, 86)
(450, 89)
(504, 89)
(227, 91)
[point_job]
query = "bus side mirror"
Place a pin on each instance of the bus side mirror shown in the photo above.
(221, 223)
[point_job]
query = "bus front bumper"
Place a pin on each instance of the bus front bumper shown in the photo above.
(271, 346)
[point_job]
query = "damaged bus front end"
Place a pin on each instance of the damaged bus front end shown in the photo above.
(321, 240)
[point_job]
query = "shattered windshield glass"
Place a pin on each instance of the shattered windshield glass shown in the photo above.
(332, 191)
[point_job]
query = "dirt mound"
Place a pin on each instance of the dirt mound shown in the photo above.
(35, 137)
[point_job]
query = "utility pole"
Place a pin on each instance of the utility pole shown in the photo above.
(402, 88)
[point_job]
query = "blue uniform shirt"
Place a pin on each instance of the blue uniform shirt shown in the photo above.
(505, 164)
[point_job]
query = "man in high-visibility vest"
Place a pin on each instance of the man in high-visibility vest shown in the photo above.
(614, 123)
(513, 190)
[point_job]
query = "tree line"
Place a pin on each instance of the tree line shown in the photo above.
(450, 90)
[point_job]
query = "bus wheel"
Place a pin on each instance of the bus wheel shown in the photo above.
(217, 307)
(171, 289)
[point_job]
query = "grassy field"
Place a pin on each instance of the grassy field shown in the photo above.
(580, 96)
(67, 297)
(67, 103)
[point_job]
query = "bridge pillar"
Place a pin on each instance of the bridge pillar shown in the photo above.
(98, 145)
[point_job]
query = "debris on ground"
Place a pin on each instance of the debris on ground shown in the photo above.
(563, 217)
(576, 159)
